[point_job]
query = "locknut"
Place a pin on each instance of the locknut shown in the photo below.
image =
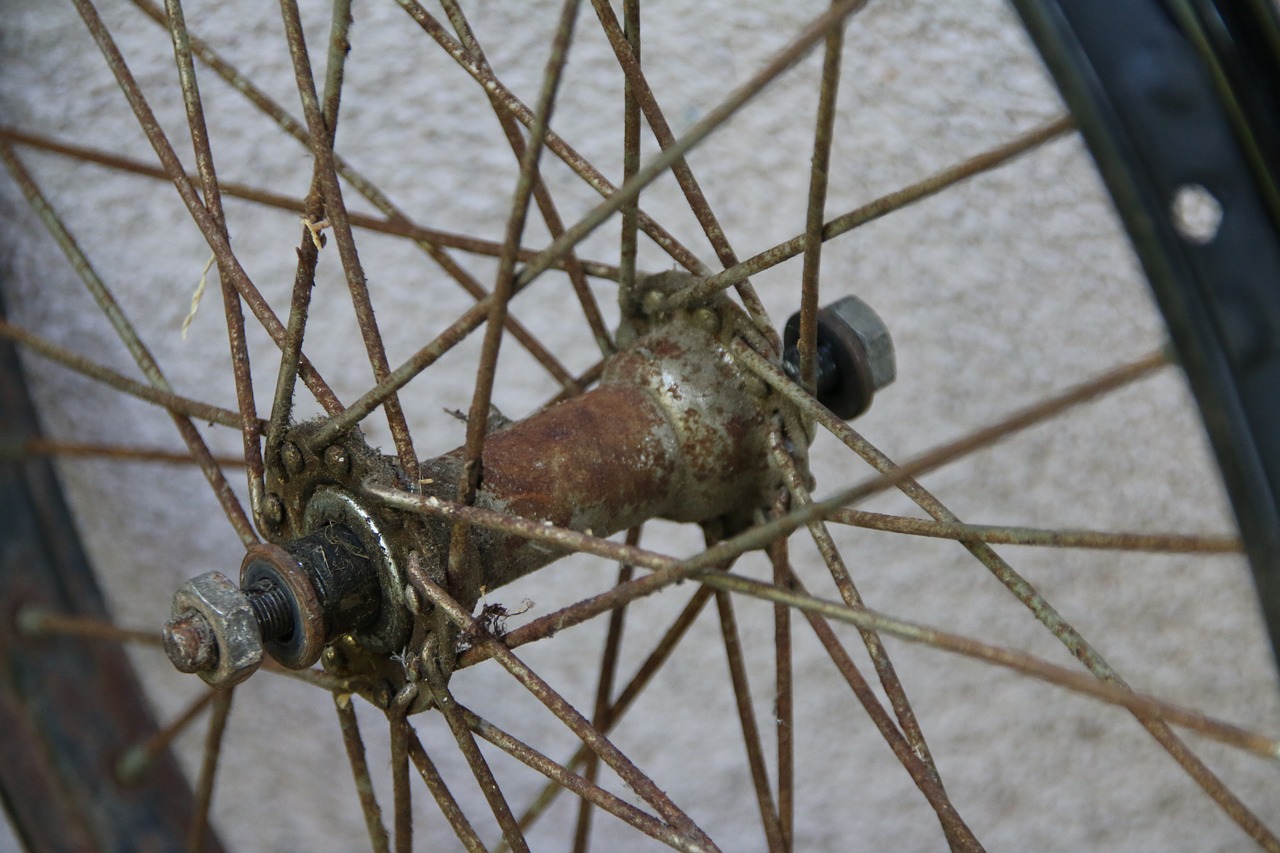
(855, 355)
(213, 627)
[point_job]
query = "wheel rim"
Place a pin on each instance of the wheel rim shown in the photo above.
(328, 257)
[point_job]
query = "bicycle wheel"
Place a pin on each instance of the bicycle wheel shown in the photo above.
(974, 341)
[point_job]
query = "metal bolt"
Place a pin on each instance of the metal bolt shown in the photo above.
(336, 459)
(855, 356)
(292, 458)
(190, 643)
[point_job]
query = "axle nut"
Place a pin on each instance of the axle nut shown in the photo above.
(213, 628)
(855, 355)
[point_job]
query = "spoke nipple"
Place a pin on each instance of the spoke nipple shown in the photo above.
(190, 643)
(291, 456)
(273, 509)
(652, 302)
(336, 459)
(707, 319)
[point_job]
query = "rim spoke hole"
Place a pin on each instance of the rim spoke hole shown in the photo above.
(1196, 213)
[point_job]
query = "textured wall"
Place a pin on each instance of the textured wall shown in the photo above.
(1012, 286)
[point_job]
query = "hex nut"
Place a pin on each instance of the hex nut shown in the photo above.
(861, 319)
(226, 610)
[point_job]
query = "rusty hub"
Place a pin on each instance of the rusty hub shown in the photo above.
(675, 429)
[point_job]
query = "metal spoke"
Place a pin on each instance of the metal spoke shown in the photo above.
(209, 768)
(653, 663)
(401, 797)
(397, 226)
(1162, 543)
(136, 760)
(36, 622)
(697, 200)
(575, 161)
(444, 797)
(580, 785)
(1150, 710)
(641, 784)
(604, 692)
(760, 536)
(903, 478)
(886, 204)
(630, 219)
(452, 713)
(784, 698)
(397, 223)
(174, 403)
(747, 718)
(228, 264)
(725, 110)
(212, 196)
(114, 452)
(360, 772)
(555, 225)
(129, 336)
(849, 593)
(818, 171)
(335, 208)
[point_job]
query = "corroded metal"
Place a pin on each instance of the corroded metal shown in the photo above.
(676, 429)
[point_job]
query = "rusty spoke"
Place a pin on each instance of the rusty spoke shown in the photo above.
(541, 195)
(228, 263)
(903, 476)
(638, 87)
(354, 744)
(176, 404)
(653, 663)
(580, 785)
(641, 784)
(212, 196)
(807, 343)
(630, 218)
(849, 593)
(431, 242)
(784, 698)
(747, 718)
(604, 693)
(725, 110)
(209, 768)
(136, 760)
(575, 161)
(396, 226)
(1163, 543)
(114, 452)
(444, 797)
(129, 337)
(759, 537)
(335, 208)
(882, 206)
(401, 797)
(453, 715)
(36, 622)
(1150, 710)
